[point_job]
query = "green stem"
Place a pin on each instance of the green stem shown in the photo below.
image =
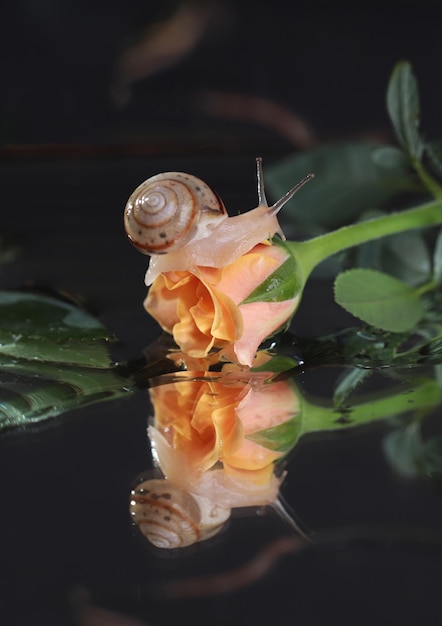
(312, 252)
(420, 291)
(430, 183)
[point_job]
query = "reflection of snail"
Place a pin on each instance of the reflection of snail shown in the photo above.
(170, 517)
(222, 442)
(178, 214)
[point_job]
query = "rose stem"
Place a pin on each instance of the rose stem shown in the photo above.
(311, 252)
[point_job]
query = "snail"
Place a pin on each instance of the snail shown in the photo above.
(170, 517)
(181, 223)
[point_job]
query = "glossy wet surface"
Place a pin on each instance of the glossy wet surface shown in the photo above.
(70, 553)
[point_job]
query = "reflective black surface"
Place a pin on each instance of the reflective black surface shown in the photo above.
(69, 553)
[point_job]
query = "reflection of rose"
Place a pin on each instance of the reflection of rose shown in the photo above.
(229, 429)
(205, 309)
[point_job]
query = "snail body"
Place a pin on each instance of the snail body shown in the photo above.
(170, 517)
(201, 233)
(229, 240)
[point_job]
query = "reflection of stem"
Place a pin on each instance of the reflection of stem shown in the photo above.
(86, 613)
(310, 253)
(233, 580)
(423, 396)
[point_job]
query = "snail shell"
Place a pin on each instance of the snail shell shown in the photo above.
(170, 517)
(168, 210)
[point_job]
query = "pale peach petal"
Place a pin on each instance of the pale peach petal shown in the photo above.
(192, 332)
(200, 419)
(261, 320)
(202, 309)
(267, 406)
(251, 456)
(229, 487)
(198, 316)
(243, 276)
(260, 476)
(161, 304)
(228, 321)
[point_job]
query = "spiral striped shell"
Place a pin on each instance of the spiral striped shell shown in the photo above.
(168, 210)
(170, 517)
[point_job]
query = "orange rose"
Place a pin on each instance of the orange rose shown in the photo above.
(205, 308)
(222, 426)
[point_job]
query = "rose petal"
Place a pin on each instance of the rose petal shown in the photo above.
(267, 406)
(161, 304)
(261, 320)
(207, 319)
(202, 309)
(251, 456)
(242, 276)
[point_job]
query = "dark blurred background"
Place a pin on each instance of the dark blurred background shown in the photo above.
(201, 86)
(107, 72)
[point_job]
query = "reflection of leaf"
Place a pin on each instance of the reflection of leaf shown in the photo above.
(348, 183)
(410, 455)
(31, 393)
(378, 299)
(402, 448)
(348, 383)
(431, 461)
(280, 438)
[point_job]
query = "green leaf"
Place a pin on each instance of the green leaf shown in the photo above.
(411, 456)
(406, 256)
(389, 158)
(282, 284)
(53, 358)
(280, 438)
(437, 260)
(44, 328)
(404, 109)
(378, 299)
(34, 392)
(350, 179)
